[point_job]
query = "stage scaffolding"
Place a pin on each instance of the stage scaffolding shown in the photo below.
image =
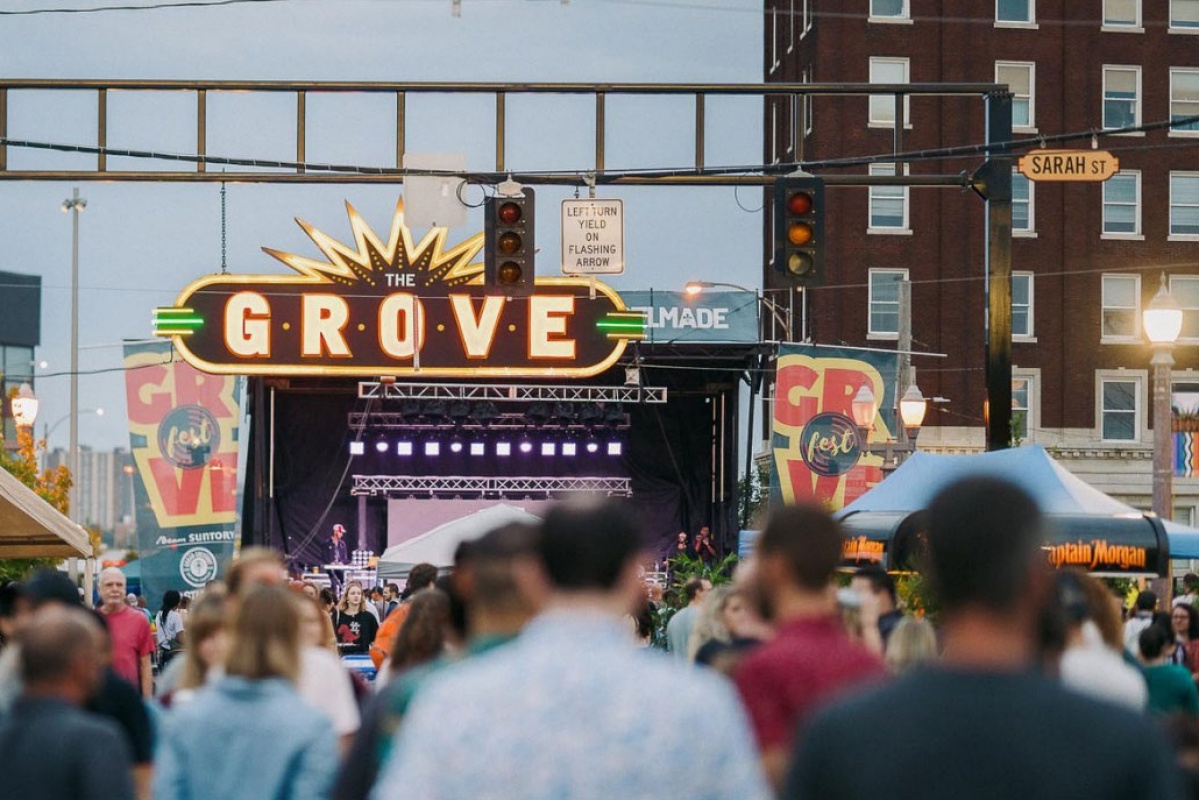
(511, 393)
(487, 486)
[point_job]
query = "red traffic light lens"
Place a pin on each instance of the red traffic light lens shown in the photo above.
(799, 264)
(509, 213)
(508, 243)
(509, 273)
(799, 233)
(800, 203)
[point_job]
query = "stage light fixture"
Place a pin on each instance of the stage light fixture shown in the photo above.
(592, 445)
(615, 448)
(548, 449)
(613, 414)
(404, 448)
(478, 448)
(432, 448)
(590, 414)
(381, 444)
(459, 411)
(538, 413)
(503, 448)
(570, 449)
(456, 445)
(357, 448)
(526, 446)
(484, 412)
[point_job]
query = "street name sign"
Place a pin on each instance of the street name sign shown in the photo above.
(592, 237)
(1068, 165)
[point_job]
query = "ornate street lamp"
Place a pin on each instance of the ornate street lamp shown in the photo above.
(24, 407)
(1163, 323)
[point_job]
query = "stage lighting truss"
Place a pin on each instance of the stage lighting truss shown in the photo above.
(511, 393)
(396, 420)
(522, 487)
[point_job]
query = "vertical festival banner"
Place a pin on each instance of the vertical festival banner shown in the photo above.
(818, 455)
(183, 432)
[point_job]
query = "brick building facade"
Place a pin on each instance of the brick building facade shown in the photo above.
(1086, 257)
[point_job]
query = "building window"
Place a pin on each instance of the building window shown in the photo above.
(1022, 207)
(1119, 409)
(882, 106)
(1121, 97)
(884, 301)
(1022, 286)
(1184, 14)
(1121, 307)
(1015, 11)
(1184, 203)
(1185, 289)
(1122, 204)
(1021, 79)
(888, 204)
(1023, 406)
(889, 9)
(1121, 13)
(1184, 98)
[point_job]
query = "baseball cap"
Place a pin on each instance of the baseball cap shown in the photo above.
(339, 527)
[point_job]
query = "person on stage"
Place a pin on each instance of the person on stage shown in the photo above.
(337, 552)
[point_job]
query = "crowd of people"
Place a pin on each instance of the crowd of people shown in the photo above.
(526, 672)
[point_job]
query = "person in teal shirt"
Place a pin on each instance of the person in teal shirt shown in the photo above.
(1171, 689)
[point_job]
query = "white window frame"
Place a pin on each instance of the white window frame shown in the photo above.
(1139, 232)
(1173, 72)
(1126, 338)
(1175, 282)
(774, 39)
(1031, 22)
(807, 103)
(791, 28)
(1133, 27)
(1031, 67)
(872, 100)
(870, 332)
(1180, 237)
(807, 19)
(1136, 376)
(1136, 102)
(1031, 334)
(1031, 231)
(1192, 28)
(885, 193)
(904, 17)
(1032, 414)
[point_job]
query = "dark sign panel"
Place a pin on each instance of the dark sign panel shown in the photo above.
(396, 308)
(20, 309)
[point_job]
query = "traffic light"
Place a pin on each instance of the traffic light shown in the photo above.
(799, 230)
(508, 243)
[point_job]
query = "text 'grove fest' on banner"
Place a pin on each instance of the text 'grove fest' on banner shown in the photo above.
(818, 455)
(183, 432)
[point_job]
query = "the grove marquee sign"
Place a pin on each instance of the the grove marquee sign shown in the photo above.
(395, 307)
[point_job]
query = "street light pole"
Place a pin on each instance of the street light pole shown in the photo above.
(74, 206)
(694, 288)
(1163, 323)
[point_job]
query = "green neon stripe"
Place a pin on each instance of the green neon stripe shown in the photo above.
(181, 323)
(623, 324)
(170, 312)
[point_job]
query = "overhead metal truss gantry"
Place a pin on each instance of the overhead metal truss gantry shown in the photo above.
(451, 485)
(992, 180)
(511, 393)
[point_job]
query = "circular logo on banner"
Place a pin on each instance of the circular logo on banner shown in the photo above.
(189, 436)
(830, 445)
(198, 566)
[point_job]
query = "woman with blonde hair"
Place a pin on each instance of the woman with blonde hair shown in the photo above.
(204, 656)
(250, 735)
(354, 625)
(912, 643)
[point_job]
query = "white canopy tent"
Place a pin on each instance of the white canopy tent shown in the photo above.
(32, 528)
(437, 546)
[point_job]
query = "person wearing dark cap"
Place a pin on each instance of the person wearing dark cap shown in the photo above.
(1141, 619)
(983, 723)
(49, 746)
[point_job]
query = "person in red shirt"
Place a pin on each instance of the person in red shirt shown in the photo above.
(132, 642)
(811, 659)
